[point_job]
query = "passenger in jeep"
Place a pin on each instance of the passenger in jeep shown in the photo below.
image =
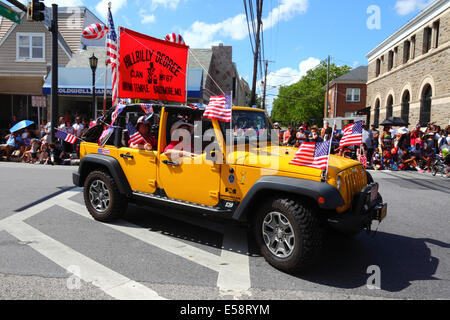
(178, 147)
(150, 142)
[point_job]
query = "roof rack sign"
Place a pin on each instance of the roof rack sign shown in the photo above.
(151, 69)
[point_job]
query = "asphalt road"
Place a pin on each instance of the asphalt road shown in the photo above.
(50, 248)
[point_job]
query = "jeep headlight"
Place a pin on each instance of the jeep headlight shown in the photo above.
(339, 183)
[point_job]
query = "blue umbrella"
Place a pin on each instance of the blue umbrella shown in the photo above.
(21, 125)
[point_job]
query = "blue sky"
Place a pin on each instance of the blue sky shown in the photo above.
(298, 33)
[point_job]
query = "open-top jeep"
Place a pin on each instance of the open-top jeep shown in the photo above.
(237, 171)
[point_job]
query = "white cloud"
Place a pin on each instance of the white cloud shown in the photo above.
(203, 35)
(102, 7)
(286, 77)
(171, 4)
(404, 7)
(146, 18)
(285, 11)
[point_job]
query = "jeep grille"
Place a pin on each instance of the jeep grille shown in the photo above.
(353, 181)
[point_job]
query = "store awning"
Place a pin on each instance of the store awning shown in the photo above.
(78, 81)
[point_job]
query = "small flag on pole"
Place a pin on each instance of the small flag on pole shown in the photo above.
(70, 138)
(219, 108)
(116, 112)
(312, 154)
(147, 108)
(135, 136)
(106, 134)
(352, 134)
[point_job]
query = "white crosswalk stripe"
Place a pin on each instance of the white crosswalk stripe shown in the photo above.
(232, 265)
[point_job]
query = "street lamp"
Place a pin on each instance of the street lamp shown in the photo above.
(93, 63)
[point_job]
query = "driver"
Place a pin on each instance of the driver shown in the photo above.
(150, 141)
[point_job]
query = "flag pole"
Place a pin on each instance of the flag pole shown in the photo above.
(231, 123)
(106, 67)
(324, 179)
(187, 76)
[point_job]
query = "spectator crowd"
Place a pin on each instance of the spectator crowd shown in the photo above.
(33, 144)
(388, 148)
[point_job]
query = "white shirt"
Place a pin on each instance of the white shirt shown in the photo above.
(78, 127)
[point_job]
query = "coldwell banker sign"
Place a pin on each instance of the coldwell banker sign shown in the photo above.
(151, 68)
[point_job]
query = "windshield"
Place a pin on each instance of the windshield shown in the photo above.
(248, 126)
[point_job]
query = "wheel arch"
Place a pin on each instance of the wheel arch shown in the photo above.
(273, 186)
(110, 165)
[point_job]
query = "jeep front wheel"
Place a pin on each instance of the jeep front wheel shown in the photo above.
(102, 197)
(289, 234)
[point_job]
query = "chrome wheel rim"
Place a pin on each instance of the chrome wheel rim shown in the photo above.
(99, 196)
(278, 234)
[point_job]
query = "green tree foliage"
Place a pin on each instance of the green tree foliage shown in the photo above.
(305, 100)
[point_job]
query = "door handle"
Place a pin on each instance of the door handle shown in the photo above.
(126, 156)
(170, 163)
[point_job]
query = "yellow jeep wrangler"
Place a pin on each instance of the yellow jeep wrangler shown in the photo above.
(236, 170)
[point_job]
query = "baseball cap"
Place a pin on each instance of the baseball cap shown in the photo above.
(179, 124)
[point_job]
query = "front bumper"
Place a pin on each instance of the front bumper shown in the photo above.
(76, 179)
(367, 206)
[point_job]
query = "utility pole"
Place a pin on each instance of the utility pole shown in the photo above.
(259, 5)
(54, 106)
(265, 83)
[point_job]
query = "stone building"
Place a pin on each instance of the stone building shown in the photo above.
(409, 72)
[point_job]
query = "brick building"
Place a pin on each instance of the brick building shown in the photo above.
(409, 72)
(347, 94)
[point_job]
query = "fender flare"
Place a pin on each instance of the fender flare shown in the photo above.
(300, 187)
(111, 164)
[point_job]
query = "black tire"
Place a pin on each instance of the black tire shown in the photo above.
(110, 210)
(307, 234)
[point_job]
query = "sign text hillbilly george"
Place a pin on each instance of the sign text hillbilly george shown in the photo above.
(151, 68)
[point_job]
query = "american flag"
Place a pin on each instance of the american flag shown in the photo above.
(106, 134)
(352, 134)
(116, 112)
(70, 138)
(313, 155)
(147, 108)
(135, 136)
(219, 108)
(112, 52)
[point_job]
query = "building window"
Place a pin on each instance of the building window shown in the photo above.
(405, 106)
(389, 107)
(436, 33)
(378, 70)
(427, 34)
(30, 46)
(425, 106)
(353, 95)
(406, 51)
(391, 60)
(413, 47)
(376, 120)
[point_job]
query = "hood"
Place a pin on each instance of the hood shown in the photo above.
(277, 159)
